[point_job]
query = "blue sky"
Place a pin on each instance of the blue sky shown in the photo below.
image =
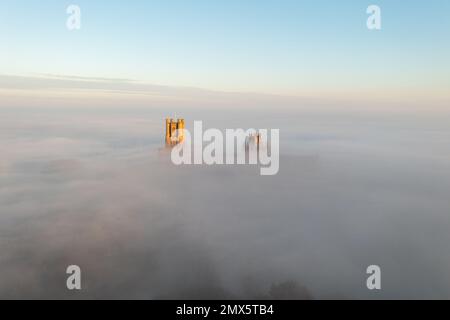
(289, 47)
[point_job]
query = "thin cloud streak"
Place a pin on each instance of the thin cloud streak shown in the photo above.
(63, 90)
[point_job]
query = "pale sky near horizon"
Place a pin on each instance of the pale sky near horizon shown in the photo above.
(283, 47)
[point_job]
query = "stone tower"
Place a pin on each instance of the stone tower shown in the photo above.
(174, 131)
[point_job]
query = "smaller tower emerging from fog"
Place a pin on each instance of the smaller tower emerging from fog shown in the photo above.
(174, 132)
(253, 139)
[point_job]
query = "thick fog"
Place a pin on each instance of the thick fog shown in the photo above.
(97, 189)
